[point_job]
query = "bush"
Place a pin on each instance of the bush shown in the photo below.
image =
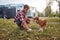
(54, 15)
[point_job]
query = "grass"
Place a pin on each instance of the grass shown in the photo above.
(10, 31)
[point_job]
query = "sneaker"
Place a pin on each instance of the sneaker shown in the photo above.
(41, 29)
(29, 30)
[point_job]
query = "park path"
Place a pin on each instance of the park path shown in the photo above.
(53, 22)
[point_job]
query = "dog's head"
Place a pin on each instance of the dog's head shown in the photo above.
(36, 19)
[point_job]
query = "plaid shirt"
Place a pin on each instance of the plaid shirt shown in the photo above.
(20, 16)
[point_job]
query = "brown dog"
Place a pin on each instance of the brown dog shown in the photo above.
(41, 22)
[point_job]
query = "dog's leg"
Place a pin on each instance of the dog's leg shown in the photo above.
(40, 29)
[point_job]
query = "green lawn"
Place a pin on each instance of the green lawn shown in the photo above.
(10, 31)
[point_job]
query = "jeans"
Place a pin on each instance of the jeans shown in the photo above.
(18, 22)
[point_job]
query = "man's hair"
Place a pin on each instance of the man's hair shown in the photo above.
(26, 6)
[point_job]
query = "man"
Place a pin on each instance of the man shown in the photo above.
(20, 18)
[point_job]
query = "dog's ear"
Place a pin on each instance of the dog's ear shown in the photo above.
(37, 18)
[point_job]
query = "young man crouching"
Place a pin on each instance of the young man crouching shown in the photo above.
(21, 18)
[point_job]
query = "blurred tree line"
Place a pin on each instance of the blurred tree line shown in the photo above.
(48, 11)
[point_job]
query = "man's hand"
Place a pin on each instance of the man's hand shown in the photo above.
(28, 21)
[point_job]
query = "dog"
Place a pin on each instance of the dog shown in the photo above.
(40, 22)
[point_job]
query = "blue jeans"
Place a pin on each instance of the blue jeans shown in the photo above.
(18, 22)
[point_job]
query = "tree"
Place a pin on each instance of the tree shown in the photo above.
(59, 5)
(48, 10)
(39, 14)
